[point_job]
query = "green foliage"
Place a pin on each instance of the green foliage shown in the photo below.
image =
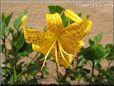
(95, 40)
(95, 51)
(19, 42)
(13, 70)
(55, 9)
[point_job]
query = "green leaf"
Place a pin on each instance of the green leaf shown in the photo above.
(15, 74)
(77, 75)
(1, 48)
(109, 74)
(82, 61)
(32, 69)
(19, 67)
(17, 22)
(66, 21)
(96, 39)
(11, 81)
(2, 17)
(8, 18)
(99, 51)
(97, 65)
(55, 9)
(94, 52)
(19, 42)
(110, 49)
(7, 31)
(25, 50)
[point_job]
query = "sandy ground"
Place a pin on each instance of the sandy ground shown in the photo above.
(102, 17)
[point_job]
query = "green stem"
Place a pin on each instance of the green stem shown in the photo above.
(5, 52)
(92, 71)
(27, 66)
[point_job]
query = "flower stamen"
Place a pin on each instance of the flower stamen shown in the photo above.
(45, 58)
(60, 49)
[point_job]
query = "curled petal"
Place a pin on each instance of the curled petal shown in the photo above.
(24, 21)
(72, 15)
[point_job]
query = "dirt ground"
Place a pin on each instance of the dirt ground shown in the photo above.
(100, 14)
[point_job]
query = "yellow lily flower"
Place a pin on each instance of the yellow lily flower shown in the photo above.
(61, 42)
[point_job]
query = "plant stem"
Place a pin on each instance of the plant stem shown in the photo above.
(40, 74)
(109, 64)
(27, 66)
(92, 72)
(5, 52)
(76, 58)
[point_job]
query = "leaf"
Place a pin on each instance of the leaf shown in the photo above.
(19, 42)
(98, 51)
(17, 22)
(1, 48)
(25, 49)
(54, 9)
(110, 49)
(66, 21)
(97, 65)
(2, 17)
(32, 69)
(94, 52)
(19, 67)
(82, 61)
(77, 75)
(96, 39)
(15, 74)
(7, 31)
(8, 18)
(109, 74)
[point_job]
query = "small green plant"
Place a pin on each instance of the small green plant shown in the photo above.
(14, 48)
(93, 55)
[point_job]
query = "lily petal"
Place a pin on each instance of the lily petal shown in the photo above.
(40, 40)
(54, 22)
(72, 15)
(74, 33)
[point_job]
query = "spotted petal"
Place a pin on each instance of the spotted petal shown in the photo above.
(41, 40)
(74, 33)
(55, 24)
